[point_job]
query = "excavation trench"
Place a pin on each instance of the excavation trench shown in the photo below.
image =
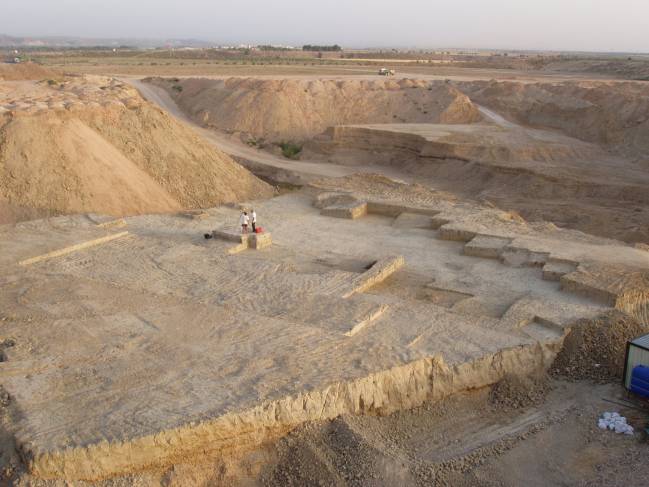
(399, 388)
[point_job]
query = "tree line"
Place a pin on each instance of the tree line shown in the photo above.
(309, 47)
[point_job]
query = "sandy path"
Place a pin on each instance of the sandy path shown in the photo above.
(497, 119)
(545, 135)
(309, 169)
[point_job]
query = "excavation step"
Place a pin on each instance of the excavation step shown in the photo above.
(554, 270)
(350, 210)
(486, 246)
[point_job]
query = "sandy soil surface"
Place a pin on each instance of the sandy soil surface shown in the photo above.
(140, 69)
(633, 68)
(610, 114)
(537, 164)
(473, 439)
(548, 437)
(307, 310)
(27, 71)
(84, 144)
(142, 66)
(274, 167)
(392, 334)
(296, 110)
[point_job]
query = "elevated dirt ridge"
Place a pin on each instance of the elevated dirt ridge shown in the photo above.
(614, 114)
(299, 109)
(540, 173)
(93, 145)
(475, 142)
(551, 162)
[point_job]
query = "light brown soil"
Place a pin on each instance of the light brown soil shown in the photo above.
(540, 174)
(514, 392)
(585, 171)
(27, 71)
(619, 68)
(465, 440)
(298, 109)
(133, 293)
(595, 348)
(612, 114)
(129, 157)
(93, 145)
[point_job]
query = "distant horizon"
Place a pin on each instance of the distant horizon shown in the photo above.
(588, 26)
(216, 43)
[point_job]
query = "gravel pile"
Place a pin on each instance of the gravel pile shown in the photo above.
(514, 392)
(595, 348)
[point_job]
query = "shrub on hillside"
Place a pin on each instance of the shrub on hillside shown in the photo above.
(290, 150)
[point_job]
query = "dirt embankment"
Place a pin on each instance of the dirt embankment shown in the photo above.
(299, 109)
(595, 348)
(631, 69)
(612, 114)
(26, 71)
(93, 145)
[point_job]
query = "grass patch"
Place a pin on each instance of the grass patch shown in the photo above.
(255, 142)
(290, 150)
(177, 88)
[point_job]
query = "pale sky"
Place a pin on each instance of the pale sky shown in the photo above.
(584, 25)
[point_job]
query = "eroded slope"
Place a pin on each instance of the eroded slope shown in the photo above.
(613, 114)
(93, 145)
(298, 109)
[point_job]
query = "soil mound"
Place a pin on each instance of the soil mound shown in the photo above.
(514, 392)
(595, 348)
(25, 71)
(101, 148)
(299, 109)
(613, 114)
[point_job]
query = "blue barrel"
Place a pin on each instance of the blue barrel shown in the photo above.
(640, 380)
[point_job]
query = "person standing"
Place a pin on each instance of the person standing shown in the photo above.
(253, 220)
(243, 221)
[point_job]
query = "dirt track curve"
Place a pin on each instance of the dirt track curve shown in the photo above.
(307, 169)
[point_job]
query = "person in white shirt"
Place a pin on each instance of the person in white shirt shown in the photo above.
(243, 221)
(253, 220)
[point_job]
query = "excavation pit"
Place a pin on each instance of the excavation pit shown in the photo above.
(143, 350)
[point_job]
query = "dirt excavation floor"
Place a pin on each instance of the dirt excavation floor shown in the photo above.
(137, 344)
(448, 276)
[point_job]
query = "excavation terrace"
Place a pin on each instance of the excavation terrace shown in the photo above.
(138, 342)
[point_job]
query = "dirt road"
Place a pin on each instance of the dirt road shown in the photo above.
(254, 158)
(497, 119)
